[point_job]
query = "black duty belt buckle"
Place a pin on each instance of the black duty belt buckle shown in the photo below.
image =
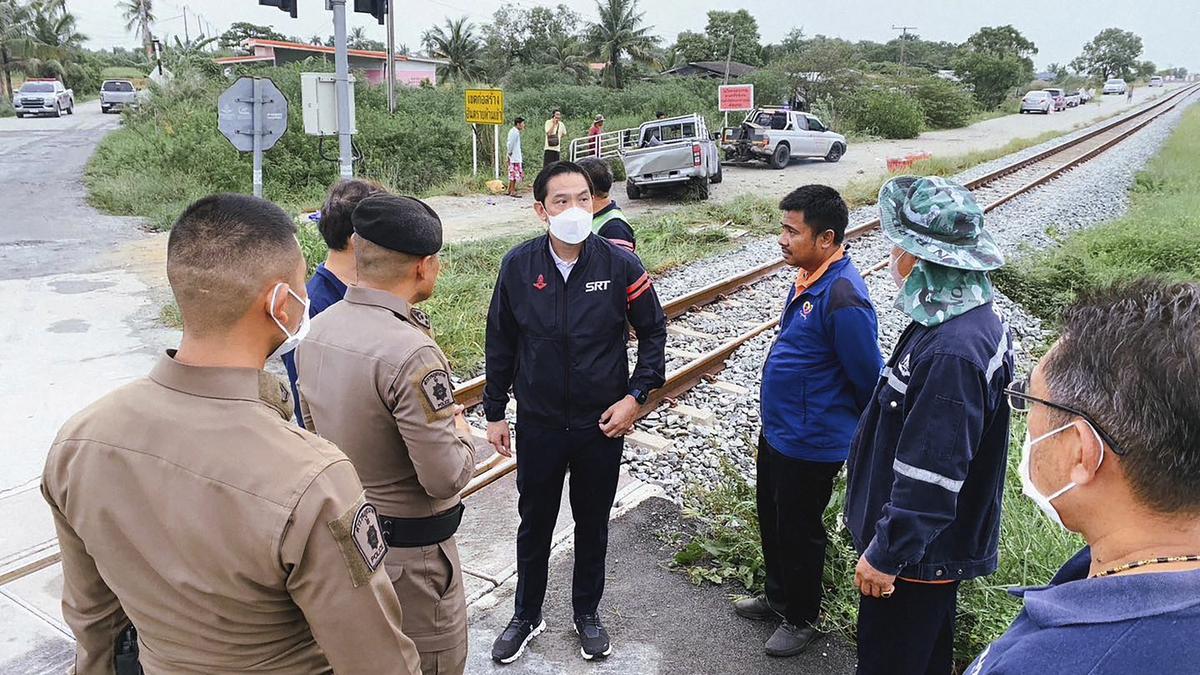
(415, 532)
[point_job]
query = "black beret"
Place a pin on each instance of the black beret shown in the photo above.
(402, 224)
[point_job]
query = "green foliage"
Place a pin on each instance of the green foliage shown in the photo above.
(995, 61)
(620, 32)
(714, 44)
(1165, 203)
(240, 31)
(945, 104)
(1112, 53)
(457, 43)
(889, 114)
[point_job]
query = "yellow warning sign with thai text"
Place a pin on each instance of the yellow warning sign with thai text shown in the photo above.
(485, 106)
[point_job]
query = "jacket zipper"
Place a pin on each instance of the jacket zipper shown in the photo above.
(566, 335)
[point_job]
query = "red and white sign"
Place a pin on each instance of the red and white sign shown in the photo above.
(735, 97)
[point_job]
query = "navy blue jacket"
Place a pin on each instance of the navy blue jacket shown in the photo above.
(926, 467)
(561, 345)
(1119, 625)
(822, 368)
(324, 289)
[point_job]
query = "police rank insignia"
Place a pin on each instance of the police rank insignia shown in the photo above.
(360, 539)
(420, 318)
(438, 391)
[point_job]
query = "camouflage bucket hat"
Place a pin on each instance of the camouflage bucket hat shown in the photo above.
(937, 220)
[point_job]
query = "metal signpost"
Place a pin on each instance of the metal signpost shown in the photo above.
(341, 62)
(253, 115)
(486, 106)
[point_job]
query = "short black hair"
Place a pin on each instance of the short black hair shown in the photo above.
(556, 110)
(344, 196)
(659, 115)
(821, 206)
(541, 184)
(221, 252)
(518, 121)
(1129, 356)
(600, 175)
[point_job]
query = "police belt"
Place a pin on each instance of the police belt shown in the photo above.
(414, 532)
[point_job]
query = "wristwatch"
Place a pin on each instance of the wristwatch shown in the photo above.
(639, 396)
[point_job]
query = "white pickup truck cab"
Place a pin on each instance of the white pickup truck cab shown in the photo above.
(43, 96)
(777, 136)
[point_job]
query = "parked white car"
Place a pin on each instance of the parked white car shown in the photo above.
(1039, 101)
(1156, 81)
(1115, 85)
(776, 136)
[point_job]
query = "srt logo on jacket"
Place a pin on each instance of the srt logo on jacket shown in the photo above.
(596, 286)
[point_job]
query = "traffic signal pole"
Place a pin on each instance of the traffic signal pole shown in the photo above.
(391, 56)
(342, 83)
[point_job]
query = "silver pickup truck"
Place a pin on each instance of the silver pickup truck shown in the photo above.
(669, 152)
(117, 94)
(776, 136)
(42, 96)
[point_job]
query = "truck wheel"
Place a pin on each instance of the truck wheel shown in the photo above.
(717, 177)
(781, 156)
(20, 115)
(835, 153)
(57, 110)
(71, 108)
(697, 188)
(632, 190)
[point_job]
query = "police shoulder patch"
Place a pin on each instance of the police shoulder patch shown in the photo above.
(419, 317)
(360, 539)
(438, 391)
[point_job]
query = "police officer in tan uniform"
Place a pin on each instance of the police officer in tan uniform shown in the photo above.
(373, 381)
(188, 505)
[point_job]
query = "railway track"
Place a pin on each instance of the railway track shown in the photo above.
(991, 190)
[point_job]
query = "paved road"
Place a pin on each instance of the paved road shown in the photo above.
(77, 324)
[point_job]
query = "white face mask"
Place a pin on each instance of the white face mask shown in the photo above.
(571, 226)
(291, 340)
(894, 269)
(1030, 490)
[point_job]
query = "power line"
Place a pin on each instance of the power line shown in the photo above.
(903, 39)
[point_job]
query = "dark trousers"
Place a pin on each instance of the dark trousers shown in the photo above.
(544, 457)
(792, 496)
(911, 632)
(549, 157)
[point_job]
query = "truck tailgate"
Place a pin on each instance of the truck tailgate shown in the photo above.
(644, 162)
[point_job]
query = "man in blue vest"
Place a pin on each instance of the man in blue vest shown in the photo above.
(607, 219)
(818, 377)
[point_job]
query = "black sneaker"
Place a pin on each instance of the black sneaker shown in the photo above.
(511, 643)
(593, 639)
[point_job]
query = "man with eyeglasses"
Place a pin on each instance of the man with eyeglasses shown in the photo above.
(927, 464)
(1112, 452)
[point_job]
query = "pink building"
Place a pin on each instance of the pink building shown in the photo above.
(410, 70)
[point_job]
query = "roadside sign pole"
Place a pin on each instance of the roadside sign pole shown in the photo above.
(258, 137)
(496, 150)
(342, 78)
(474, 151)
(391, 56)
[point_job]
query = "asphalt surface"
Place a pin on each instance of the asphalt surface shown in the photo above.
(48, 226)
(659, 623)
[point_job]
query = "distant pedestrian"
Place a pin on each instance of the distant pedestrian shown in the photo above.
(819, 375)
(1112, 452)
(926, 469)
(660, 115)
(1129, 93)
(607, 219)
(556, 131)
(516, 167)
(594, 133)
(330, 279)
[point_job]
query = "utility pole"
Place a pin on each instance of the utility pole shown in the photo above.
(728, 59)
(903, 39)
(341, 62)
(186, 37)
(391, 55)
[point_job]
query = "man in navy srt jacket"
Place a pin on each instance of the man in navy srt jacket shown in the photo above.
(556, 334)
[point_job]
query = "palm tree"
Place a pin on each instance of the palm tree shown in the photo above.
(316, 40)
(357, 39)
(15, 22)
(139, 15)
(52, 30)
(620, 32)
(566, 53)
(457, 43)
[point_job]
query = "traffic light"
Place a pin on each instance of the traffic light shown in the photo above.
(376, 8)
(288, 6)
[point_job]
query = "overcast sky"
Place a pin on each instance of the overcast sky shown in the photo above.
(1170, 29)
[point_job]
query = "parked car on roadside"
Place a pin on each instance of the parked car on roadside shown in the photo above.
(117, 94)
(776, 136)
(1115, 85)
(1038, 101)
(43, 96)
(1156, 81)
(1074, 99)
(669, 153)
(1086, 95)
(1060, 98)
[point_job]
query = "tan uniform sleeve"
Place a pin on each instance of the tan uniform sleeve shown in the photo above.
(89, 606)
(421, 396)
(338, 581)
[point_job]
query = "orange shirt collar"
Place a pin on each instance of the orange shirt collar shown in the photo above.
(805, 280)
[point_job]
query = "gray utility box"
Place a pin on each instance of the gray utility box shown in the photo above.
(318, 95)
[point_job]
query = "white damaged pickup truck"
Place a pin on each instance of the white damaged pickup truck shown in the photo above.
(777, 136)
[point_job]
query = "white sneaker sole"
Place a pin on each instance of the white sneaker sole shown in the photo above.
(588, 657)
(521, 650)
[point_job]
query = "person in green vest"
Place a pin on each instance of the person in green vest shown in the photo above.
(607, 219)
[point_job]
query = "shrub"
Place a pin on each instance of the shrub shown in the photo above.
(946, 105)
(889, 114)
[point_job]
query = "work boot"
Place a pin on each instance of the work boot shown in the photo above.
(593, 639)
(790, 640)
(756, 608)
(511, 643)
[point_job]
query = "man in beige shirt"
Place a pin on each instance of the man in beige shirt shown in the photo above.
(555, 136)
(373, 381)
(188, 506)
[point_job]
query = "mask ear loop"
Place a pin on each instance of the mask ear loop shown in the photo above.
(1073, 484)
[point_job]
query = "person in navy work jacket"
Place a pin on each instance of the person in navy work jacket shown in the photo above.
(556, 333)
(817, 380)
(1113, 452)
(608, 220)
(926, 469)
(329, 281)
